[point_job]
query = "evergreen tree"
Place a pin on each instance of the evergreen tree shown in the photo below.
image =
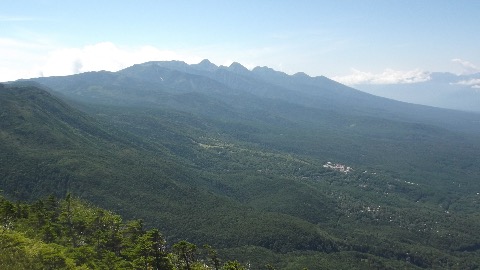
(186, 253)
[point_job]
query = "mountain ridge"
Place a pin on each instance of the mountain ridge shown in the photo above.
(286, 86)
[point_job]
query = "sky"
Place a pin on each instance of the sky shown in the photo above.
(352, 41)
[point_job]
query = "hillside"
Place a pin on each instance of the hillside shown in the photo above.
(298, 114)
(119, 173)
(72, 234)
(230, 163)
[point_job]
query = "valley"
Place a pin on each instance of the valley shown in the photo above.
(257, 164)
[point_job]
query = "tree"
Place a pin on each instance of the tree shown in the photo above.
(186, 252)
(159, 252)
(149, 252)
(233, 265)
(7, 213)
(213, 256)
(269, 267)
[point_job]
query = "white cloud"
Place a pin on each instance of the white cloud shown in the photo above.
(388, 76)
(473, 83)
(469, 82)
(103, 56)
(467, 67)
(20, 59)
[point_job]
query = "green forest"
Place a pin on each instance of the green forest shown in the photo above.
(222, 170)
(71, 234)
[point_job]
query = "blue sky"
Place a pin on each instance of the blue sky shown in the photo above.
(349, 41)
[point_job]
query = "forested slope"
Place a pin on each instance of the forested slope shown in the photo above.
(210, 162)
(72, 234)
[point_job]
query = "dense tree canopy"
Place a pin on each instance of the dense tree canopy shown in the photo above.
(71, 234)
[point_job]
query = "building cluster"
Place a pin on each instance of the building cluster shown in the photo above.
(338, 167)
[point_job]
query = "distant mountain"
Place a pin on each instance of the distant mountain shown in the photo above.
(444, 90)
(268, 167)
(317, 92)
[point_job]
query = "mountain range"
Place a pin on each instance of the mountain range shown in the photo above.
(290, 170)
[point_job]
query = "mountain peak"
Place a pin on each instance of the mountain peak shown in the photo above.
(301, 75)
(205, 64)
(237, 67)
(266, 72)
(263, 69)
(173, 64)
